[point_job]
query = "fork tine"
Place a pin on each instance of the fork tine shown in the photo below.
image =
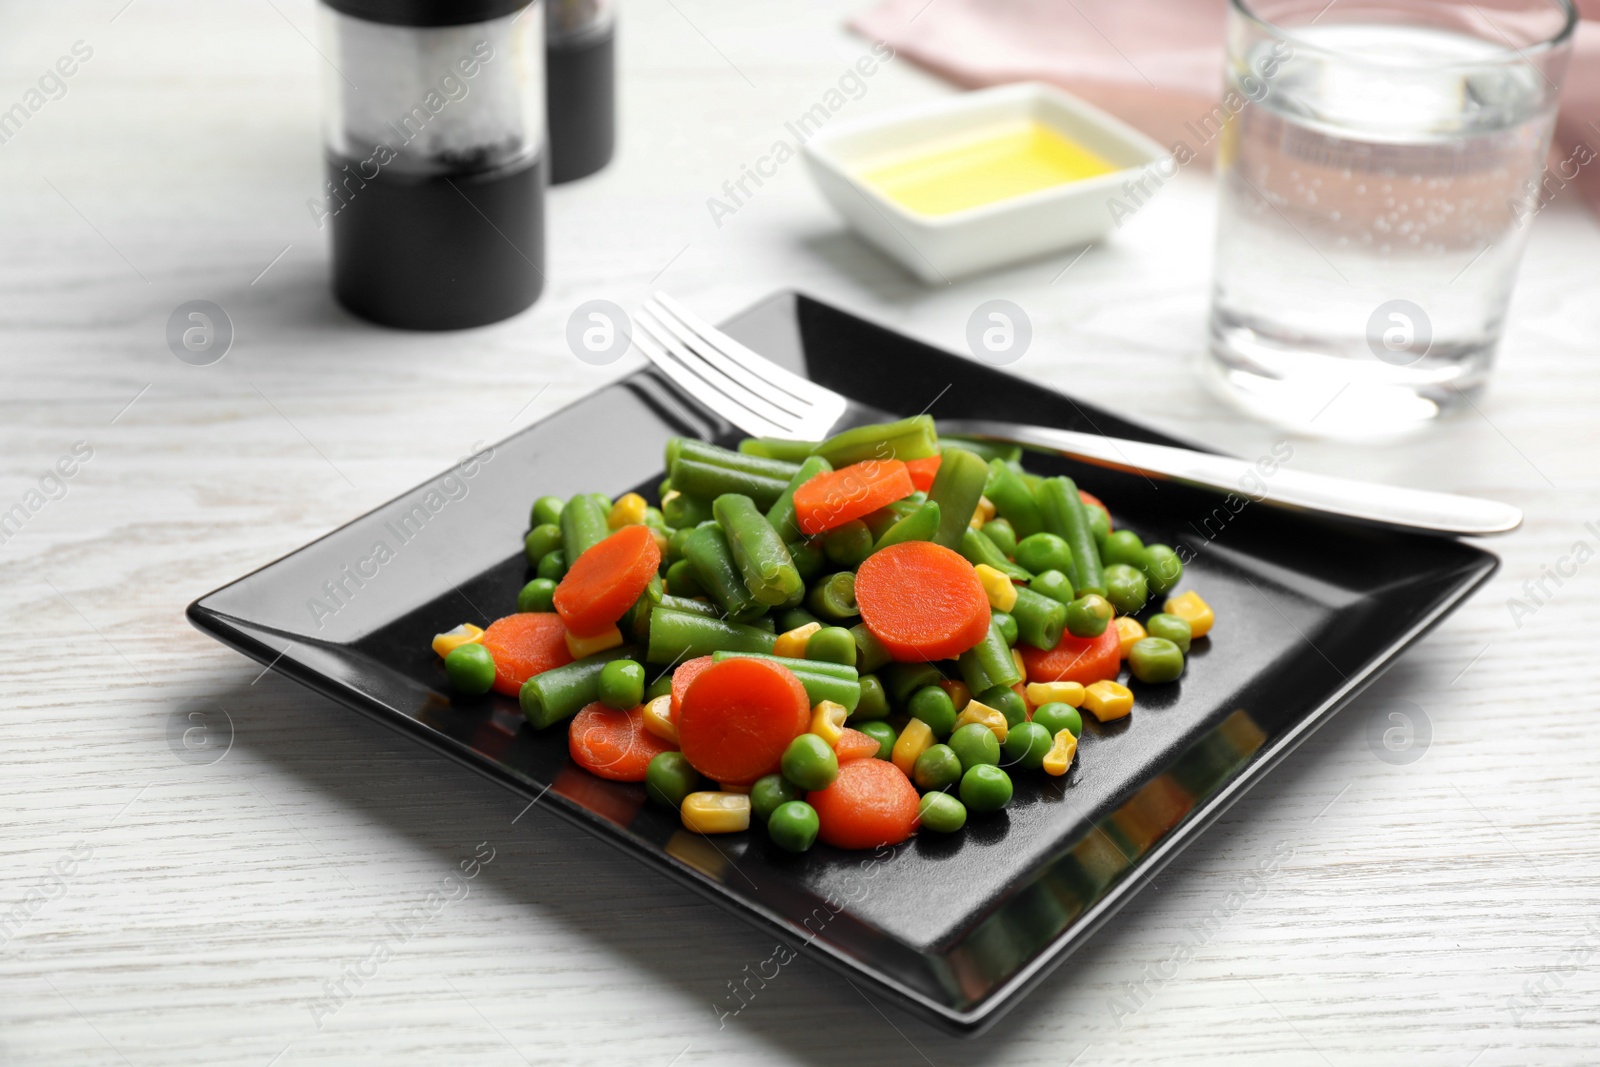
(732, 391)
(691, 383)
(763, 368)
(703, 358)
(753, 374)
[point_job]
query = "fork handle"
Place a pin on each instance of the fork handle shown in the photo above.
(1411, 509)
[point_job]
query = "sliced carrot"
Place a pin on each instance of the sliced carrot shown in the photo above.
(853, 744)
(923, 471)
(833, 498)
(524, 645)
(923, 601)
(1085, 660)
(686, 672)
(738, 716)
(603, 583)
(613, 743)
(1095, 502)
(871, 803)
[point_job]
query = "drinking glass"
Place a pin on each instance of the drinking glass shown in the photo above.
(1379, 164)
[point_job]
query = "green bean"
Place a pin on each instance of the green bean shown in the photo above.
(848, 544)
(693, 478)
(832, 644)
(1040, 620)
(795, 618)
(635, 623)
(1007, 624)
(677, 635)
(778, 448)
(693, 607)
(781, 514)
(605, 502)
(912, 438)
(885, 517)
(874, 702)
(759, 553)
(661, 687)
(822, 681)
(694, 451)
(685, 512)
(834, 598)
(870, 653)
(920, 525)
(1011, 499)
(979, 549)
(558, 694)
(583, 525)
(989, 663)
(904, 679)
(675, 544)
(766, 623)
(1065, 516)
(708, 553)
(681, 580)
(1002, 534)
(984, 450)
(957, 489)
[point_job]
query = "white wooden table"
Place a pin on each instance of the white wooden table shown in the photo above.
(161, 912)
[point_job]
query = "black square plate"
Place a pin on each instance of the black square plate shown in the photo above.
(957, 929)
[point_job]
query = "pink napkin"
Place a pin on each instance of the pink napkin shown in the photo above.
(1157, 64)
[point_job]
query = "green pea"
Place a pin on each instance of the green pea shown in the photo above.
(874, 702)
(1126, 588)
(941, 813)
(622, 684)
(669, 779)
(975, 744)
(675, 544)
(882, 733)
(1171, 628)
(809, 762)
(793, 826)
(772, 792)
(933, 706)
(537, 595)
(1026, 745)
(681, 580)
(937, 768)
(661, 687)
(848, 545)
(553, 566)
(1005, 700)
(1088, 616)
(541, 540)
(1162, 566)
(1055, 717)
(470, 669)
(1007, 625)
(1001, 533)
(1053, 584)
(832, 644)
(1155, 659)
(985, 787)
(794, 618)
(1122, 546)
(547, 511)
(1044, 552)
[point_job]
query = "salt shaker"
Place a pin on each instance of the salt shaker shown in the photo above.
(580, 79)
(436, 159)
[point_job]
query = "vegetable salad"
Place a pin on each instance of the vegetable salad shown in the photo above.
(844, 641)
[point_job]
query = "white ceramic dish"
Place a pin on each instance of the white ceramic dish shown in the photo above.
(938, 248)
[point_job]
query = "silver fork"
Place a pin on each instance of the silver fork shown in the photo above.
(765, 400)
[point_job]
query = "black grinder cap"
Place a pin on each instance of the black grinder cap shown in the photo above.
(427, 12)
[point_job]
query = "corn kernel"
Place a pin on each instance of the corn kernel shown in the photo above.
(716, 813)
(979, 712)
(1129, 632)
(1022, 664)
(588, 646)
(914, 740)
(983, 513)
(741, 788)
(1192, 610)
(1068, 693)
(1059, 759)
(450, 640)
(627, 511)
(827, 721)
(1108, 700)
(997, 587)
(957, 691)
(658, 719)
(792, 643)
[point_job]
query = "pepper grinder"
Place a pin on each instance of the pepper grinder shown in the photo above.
(580, 79)
(436, 159)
